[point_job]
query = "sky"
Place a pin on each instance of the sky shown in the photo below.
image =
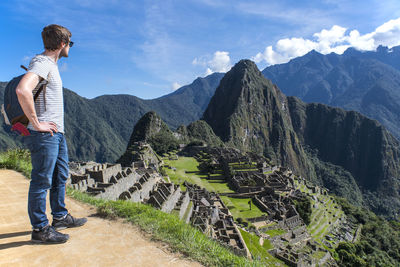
(151, 48)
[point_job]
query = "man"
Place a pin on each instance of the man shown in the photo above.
(46, 141)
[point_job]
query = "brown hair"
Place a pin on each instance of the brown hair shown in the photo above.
(53, 35)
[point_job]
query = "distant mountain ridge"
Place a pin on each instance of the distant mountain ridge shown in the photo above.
(99, 129)
(367, 82)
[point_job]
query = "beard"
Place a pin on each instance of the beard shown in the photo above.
(64, 52)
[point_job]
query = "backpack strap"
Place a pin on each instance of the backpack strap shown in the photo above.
(41, 88)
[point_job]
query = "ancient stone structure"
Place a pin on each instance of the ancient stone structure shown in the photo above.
(211, 216)
(111, 181)
(140, 155)
(272, 189)
(141, 182)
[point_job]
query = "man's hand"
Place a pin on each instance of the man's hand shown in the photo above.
(46, 126)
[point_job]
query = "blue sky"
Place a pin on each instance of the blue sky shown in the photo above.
(150, 48)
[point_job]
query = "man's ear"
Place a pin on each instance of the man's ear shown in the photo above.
(62, 45)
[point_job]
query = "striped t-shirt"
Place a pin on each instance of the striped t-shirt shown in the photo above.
(50, 107)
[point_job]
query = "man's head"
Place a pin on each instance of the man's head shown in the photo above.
(56, 37)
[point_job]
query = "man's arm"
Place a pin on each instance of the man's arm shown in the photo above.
(25, 97)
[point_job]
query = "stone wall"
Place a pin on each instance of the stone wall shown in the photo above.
(140, 191)
(114, 190)
(103, 174)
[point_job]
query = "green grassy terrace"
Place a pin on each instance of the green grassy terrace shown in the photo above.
(326, 215)
(187, 169)
(260, 251)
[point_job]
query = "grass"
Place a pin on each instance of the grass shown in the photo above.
(275, 232)
(17, 159)
(239, 207)
(188, 164)
(260, 252)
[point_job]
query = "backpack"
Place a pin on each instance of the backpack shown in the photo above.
(11, 109)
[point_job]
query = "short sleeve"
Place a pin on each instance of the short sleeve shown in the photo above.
(40, 66)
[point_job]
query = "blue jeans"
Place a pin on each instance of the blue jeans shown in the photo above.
(49, 156)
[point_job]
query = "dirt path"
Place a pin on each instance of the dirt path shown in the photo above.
(99, 243)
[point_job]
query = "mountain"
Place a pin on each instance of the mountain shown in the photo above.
(99, 129)
(183, 106)
(153, 130)
(198, 131)
(367, 82)
(192, 99)
(249, 112)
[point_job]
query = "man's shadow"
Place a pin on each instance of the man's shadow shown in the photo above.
(17, 243)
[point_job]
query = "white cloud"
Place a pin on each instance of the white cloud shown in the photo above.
(388, 33)
(333, 40)
(220, 62)
(326, 39)
(175, 86)
(270, 56)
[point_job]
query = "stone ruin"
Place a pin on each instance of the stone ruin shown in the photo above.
(140, 155)
(278, 207)
(168, 196)
(211, 216)
(111, 181)
(273, 190)
(140, 182)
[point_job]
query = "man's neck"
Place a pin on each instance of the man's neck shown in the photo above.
(54, 55)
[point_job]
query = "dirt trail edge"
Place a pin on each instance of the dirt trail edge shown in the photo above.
(99, 243)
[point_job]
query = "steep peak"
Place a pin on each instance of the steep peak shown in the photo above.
(352, 51)
(240, 74)
(242, 88)
(243, 69)
(150, 129)
(244, 76)
(151, 115)
(147, 126)
(245, 64)
(313, 53)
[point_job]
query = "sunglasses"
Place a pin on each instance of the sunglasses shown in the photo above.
(71, 44)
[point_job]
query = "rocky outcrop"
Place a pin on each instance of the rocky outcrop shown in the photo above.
(250, 113)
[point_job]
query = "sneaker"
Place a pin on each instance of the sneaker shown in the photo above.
(68, 222)
(48, 235)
